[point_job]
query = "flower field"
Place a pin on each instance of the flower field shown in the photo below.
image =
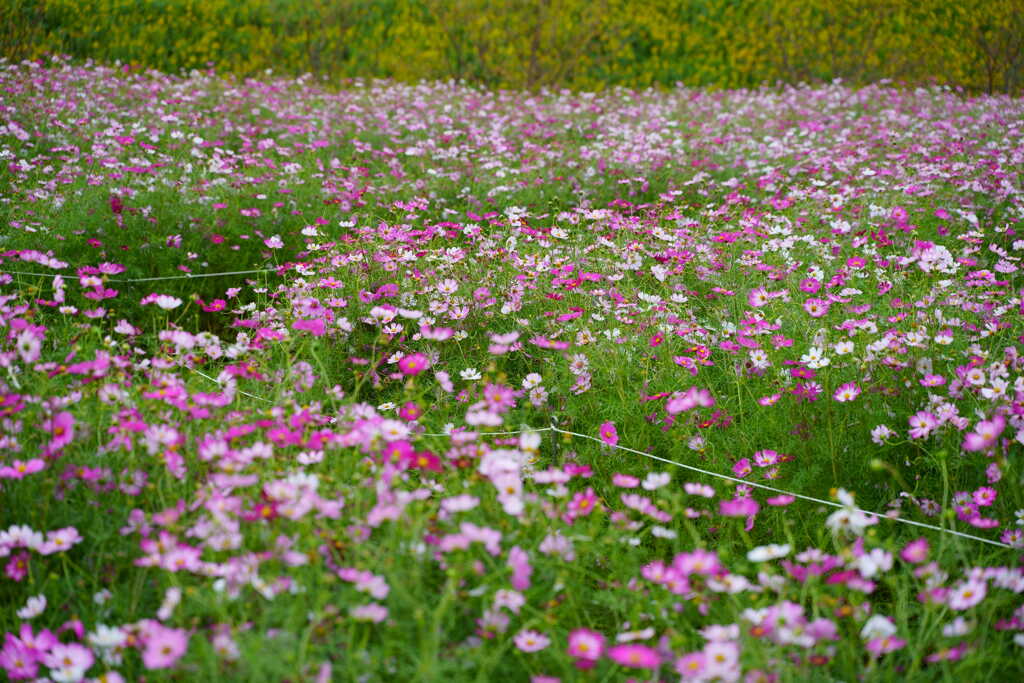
(429, 382)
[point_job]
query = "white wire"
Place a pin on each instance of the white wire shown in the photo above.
(149, 279)
(243, 393)
(752, 484)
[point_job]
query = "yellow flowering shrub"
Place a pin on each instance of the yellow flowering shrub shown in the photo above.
(975, 44)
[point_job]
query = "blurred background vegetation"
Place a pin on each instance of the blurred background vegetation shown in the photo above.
(582, 44)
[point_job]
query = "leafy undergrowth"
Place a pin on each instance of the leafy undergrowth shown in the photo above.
(324, 450)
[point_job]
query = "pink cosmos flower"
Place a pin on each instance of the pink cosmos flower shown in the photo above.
(816, 307)
(810, 285)
(635, 656)
(738, 507)
(780, 500)
(609, 434)
(18, 469)
(531, 641)
(915, 552)
(519, 562)
(846, 392)
(16, 568)
(28, 346)
(693, 398)
(71, 660)
(691, 666)
(948, 654)
(967, 595)
(921, 424)
(60, 540)
(758, 297)
(315, 326)
(697, 489)
(984, 496)
(582, 504)
(18, 659)
(372, 612)
(722, 659)
(742, 467)
(618, 479)
(413, 364)
(586, 646)
(62, 427)
(164, 646)
(702, 562)
(985, 434)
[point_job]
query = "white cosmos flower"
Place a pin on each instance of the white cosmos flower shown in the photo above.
(764, 553)
(167, 302)
(655, 480)
(878, 626)
(470, 374)
(33, 608)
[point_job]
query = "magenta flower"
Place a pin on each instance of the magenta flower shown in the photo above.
(916, 551)
(609, 434)
(921, 424)
(582, 504)
(742, 467)
(985, 434)
(586, 646)
(625, 481)
(948, 654)
(17, 567)
(410, 411)
(635, 656)
(703, 562)
(413, 364)
(984, 496)
(519, 562)
(19, 468)
(316, 326)
(881, 646)
(18, 659)
(62, 428)
(738, 507)
(164, 646)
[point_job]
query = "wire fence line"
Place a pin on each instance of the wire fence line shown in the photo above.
(753, 484)
(189, 276)
(556, 428)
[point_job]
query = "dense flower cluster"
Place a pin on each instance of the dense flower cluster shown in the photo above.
(332, 467)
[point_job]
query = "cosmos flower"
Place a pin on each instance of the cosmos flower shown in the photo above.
(609, 434)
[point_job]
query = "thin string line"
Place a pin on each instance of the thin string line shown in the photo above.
(243, 393)
(788, 493)
(753, 484)
(147, 279)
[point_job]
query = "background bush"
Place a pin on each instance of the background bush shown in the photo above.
(974, 44)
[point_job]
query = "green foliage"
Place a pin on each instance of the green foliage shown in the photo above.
(974, 44)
